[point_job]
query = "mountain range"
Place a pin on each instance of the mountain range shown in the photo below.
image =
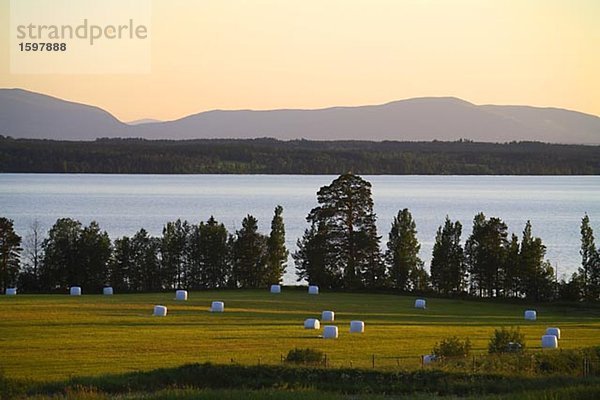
(25, 114)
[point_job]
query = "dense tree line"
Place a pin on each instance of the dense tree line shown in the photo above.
(185, 256)
(340, 249)
(270, 156)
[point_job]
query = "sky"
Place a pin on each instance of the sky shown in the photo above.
(268, 54)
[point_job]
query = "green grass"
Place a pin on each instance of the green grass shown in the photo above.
(54, 337)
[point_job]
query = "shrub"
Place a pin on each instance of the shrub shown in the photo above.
(506, 341)
(452, 347)
(305, 356)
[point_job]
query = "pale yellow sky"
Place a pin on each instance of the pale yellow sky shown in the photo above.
(264, 54)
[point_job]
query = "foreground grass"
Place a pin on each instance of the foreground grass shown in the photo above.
(53, 337)
(248, 382)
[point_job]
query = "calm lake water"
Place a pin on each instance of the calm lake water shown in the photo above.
(122, 204)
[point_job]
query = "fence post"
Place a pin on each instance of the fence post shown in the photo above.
(473, 363)
(373, 360)
(325, 360)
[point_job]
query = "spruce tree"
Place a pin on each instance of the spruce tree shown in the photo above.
(208, 253)
(448, 269)
(10, 251)
(250, 255)
(589, 271)
(403, 251)
(277, 253)
(536, 275)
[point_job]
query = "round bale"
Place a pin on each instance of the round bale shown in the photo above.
(312, 323)
(217, 306)
(275, 288)
(160, 311)
(330, 332)
(75, 291)
(530, 315)
(549, 342)
(107, 291)
(181, 295)
(357, 327)
(553, 331)
(328, 316)
(313, 289)
(420, 303)
(11, 291)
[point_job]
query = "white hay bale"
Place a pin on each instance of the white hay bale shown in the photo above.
(549, 342)
(312, 289)
(217, 306)
(553, 331)
(357, 327)
(530, 315)
(107, 291)
(420, 303)
(181, 295)
(312, 323)
(327, 316)
(75, 291)
(275, 288)
(330, 332)
(428, 358)
(160, 311)
(11, 291)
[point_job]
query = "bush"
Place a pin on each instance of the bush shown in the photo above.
(305, 356)
(452, 347)
(507, 341)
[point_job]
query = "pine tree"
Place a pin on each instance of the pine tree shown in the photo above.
(10, 252)
(403, 250)
(250, 255)
(344, 226)
(277, 253)
(448, 269)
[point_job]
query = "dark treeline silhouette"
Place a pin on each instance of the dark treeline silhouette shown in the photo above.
(185, 256)
(270, 156)
(340, 249)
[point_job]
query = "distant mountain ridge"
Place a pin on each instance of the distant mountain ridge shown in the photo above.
(25, 114)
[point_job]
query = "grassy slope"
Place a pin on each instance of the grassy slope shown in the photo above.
(57, 336)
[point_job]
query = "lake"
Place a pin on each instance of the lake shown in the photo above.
(122, 204)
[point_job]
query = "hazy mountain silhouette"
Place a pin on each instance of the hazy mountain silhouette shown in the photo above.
(25, 114)
(32, 115)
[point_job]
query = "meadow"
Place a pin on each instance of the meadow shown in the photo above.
(55, 337)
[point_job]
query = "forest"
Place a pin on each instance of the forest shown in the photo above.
(340, 250)
(270, 156)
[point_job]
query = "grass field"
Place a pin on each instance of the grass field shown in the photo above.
(53, 337)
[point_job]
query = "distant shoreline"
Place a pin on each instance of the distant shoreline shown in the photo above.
(299, 157)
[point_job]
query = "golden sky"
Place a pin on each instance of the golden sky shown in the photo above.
(265, 54)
